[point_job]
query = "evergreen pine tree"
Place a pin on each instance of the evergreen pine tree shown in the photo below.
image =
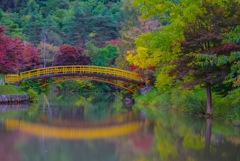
(34, 27)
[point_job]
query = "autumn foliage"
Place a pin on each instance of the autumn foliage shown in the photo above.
(16, 54)
(208, 48)
(70, 55)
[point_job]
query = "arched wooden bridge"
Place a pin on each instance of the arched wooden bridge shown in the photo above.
(114, 76)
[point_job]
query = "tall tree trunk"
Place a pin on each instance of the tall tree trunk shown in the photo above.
(209, 99)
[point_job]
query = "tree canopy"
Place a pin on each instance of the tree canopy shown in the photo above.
(16, 54)
(198, 43)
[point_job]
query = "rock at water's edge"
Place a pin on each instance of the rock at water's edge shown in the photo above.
(14, 98)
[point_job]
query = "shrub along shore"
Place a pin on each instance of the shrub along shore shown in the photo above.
(192, 103)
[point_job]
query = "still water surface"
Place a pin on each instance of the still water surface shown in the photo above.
(98, 127)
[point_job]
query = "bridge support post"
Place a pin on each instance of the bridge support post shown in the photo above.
(145, 89)
(17, 84)
(2, 83)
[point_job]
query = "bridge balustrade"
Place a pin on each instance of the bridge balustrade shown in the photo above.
(13, 78)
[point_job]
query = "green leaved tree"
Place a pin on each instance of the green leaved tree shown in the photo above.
(194, 45)
(102, 56)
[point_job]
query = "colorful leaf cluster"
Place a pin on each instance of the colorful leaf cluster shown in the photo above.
(70, 55)
(16, 54)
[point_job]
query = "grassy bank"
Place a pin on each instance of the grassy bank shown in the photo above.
(192, 103)
(10, 89)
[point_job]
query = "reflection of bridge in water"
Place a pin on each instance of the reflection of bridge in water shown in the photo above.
(95, 131)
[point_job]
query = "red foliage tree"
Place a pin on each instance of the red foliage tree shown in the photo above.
(70, 55)
(147, 74)
(30, 58)
(113, 42)
(132, 67)
(16, 54)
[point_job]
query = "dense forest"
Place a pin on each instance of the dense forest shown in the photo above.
(189, 50)
(62, 30)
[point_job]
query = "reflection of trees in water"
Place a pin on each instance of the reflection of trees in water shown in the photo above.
(8, 152)
(137, 146)
(90, 150)
(208, 134)
(214, 149)
(166, 138)
(12, 110)
(7, 107)
(182, 138)
(59, 150)
(93, 106)
(88, 106)
(169, 138)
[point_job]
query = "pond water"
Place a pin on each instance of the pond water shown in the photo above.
(98, 127)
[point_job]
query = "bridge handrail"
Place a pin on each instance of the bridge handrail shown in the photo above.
(12, 78)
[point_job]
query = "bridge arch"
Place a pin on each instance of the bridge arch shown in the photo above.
(116, 83)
